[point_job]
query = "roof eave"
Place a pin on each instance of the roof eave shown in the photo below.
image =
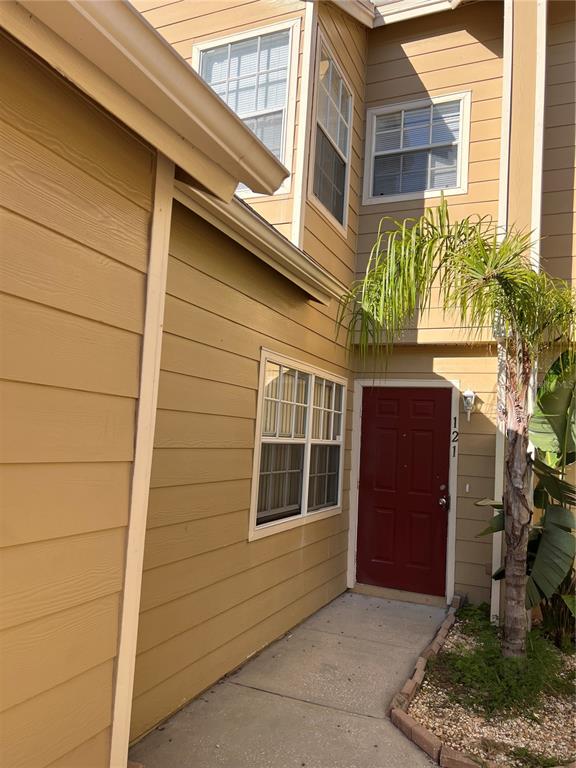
(123, 46)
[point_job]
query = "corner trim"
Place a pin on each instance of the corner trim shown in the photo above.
(146, 419)
(241, 223)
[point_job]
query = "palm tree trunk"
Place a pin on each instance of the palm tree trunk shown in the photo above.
(517, 506)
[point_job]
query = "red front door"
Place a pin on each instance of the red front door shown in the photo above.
(403, 494)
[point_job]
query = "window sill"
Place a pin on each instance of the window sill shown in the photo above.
(428, 195)
(292, 522)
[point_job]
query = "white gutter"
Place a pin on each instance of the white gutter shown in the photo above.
(241, 223)
(124, 46)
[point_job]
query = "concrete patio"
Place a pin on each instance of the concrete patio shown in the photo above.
(316, 698)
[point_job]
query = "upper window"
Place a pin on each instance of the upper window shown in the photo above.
(417, 149)
(298, 462)
(252, 76)
(333, 127)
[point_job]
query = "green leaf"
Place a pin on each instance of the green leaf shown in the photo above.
(553, 561)
(560, 516)
(489, 503)
(496, 524)
(570, 601)
(553, 423)
(554, 485)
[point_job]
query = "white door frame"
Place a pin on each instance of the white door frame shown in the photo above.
(359, 385)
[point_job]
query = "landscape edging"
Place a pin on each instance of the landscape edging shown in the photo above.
(441, 753)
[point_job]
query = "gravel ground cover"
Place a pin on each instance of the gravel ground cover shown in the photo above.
(542, 737)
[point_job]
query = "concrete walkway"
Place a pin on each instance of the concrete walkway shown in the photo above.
(314, 699)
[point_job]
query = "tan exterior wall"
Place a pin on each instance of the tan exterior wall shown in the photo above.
(559, 198)
(441, 54)
(75, 197)
(474, 368)
(323, 240)
(189, 22)
(210, 598)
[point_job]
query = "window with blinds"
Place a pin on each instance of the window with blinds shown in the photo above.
(252, 75)
(333, 126)
(301, 415)
(416, 149)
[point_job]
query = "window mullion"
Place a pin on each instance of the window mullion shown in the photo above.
(307, 445)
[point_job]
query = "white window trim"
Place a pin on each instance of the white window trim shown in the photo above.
(342, 227)
(293, 26)
(463, 146)
(276, 526)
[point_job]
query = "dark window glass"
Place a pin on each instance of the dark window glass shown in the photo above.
(329, 175)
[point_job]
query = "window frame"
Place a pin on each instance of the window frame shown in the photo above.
(305, 517)
(461, 188)
(293, 26)
(342, 227)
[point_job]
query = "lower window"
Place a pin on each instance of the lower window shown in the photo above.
(299, 454)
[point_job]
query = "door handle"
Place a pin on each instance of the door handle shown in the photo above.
(444, 502)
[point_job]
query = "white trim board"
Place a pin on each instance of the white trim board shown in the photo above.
(293, 26)
(142, 466)
(359, 384)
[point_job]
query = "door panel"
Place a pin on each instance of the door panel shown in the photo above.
(404, 466)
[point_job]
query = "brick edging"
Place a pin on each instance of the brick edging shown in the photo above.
(441, 753)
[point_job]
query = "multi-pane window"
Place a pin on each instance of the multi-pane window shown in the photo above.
(251, 75)
(333, 116)
(302, 416)
(416, 149)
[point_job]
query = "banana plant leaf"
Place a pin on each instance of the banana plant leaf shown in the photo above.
(496, 524)
(570, 601)
(554, 556)
(553, 423)
(550, 482)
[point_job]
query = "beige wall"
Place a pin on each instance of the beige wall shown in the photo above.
(441, 54)
(75, 196)
(209, 597)
(558, 184)
(474, 368)
(324, 241)
(189, 22)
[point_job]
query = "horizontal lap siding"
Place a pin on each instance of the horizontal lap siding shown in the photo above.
(475, 369)
(323, 240)
(441, 54)
(559, 170)
(209, 597)
(74, 216)
(186, 23)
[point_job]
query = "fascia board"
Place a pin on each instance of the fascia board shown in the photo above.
(121, 44)
(243, 225)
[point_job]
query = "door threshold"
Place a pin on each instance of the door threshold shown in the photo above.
(399, 594)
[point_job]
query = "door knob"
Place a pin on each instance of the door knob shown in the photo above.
(444, 501)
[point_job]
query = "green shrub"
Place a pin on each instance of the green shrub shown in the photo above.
(483, 680)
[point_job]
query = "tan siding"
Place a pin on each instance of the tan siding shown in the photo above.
(474, 369)
(559, 188)
(76, 196)
(436, 55)
(323, 239)
(210, 598)
(189, 22)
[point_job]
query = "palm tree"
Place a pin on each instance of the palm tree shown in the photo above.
(486, 278)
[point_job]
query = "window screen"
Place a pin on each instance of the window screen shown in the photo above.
(416, 150)
(252, 78)
(301, 443)
(332, 137)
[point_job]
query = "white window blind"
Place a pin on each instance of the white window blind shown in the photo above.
(252, 77)
(332, 137)
(415, 150)
(301, 442)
